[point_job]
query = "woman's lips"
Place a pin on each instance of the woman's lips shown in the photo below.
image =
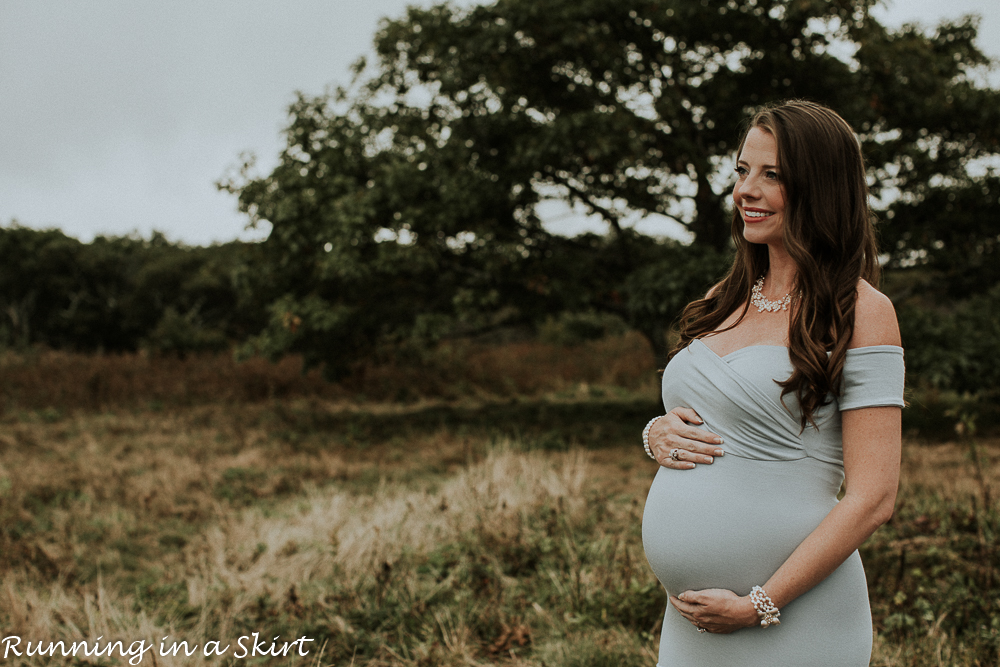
(756, 214)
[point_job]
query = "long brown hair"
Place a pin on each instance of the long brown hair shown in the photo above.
(829, 233)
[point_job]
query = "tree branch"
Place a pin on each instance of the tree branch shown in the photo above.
(611, 217)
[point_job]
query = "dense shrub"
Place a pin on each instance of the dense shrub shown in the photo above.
(955, 349)
(122, 293)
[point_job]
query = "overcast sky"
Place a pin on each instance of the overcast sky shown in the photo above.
(120, 115)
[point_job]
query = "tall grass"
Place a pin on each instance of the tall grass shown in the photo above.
(430, 544)
(49, 379)
(486, 514)
(296, 549)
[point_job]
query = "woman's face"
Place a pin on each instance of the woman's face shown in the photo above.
(758, 194)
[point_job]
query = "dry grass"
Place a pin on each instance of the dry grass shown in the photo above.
(60, 381)
(460, 369)
(947, 469)
(439, 546)
(65, 380)
(323, 534)
(333, 531)
(126, 525)
(121, 470)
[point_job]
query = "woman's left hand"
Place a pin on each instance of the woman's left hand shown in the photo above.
(716, 610)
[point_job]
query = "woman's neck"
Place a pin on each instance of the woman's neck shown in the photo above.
(781, 273)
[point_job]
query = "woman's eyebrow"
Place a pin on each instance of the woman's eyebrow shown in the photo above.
(766, 166)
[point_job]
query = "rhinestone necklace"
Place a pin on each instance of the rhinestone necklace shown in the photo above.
(758, 299)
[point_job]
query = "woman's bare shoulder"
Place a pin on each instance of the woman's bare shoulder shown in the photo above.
(874, 318)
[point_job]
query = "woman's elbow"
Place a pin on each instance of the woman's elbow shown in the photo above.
(882, 507)
(873, 510)
(883, 510)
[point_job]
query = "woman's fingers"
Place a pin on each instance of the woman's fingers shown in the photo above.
(686, 610)
(678, 445)
(690, 597)
(688, 415)
(695, 608)
(717, 610)
(695, 446)
(676, 458)
(689, 612)
(683, 418)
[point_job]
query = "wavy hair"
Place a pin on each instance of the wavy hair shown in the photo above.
(828, 231)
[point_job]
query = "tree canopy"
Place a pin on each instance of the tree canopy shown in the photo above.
(407, 204)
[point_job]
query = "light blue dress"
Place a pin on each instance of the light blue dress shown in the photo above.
(731, 524)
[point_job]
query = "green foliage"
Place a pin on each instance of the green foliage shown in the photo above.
(177, 333)
(635, 106)
(940, 168)
(658, 291)
(955, 348)
(405, 208)
(121, 293)
(933, 568)
(946, 236)
(575, 328)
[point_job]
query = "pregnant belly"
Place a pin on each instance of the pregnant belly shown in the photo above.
(733, 523)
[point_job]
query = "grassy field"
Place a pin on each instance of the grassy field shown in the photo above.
(498, 529)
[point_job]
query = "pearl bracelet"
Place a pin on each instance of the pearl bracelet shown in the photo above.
(645, 436)
(766, 611)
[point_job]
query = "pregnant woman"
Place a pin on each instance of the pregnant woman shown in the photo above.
(792, 368)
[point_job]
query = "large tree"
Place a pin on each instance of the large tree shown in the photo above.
(408, 203)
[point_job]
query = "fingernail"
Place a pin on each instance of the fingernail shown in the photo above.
(719, 452)
(710, 460)
(718, 441)
(689, 466)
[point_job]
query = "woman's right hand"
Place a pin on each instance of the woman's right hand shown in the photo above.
(675, 430)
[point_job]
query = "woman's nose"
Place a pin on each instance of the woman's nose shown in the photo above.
(750, 187)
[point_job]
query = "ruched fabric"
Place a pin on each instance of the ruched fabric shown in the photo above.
(733, 523)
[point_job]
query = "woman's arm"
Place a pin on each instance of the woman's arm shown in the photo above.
(871, 468)
(871, 444)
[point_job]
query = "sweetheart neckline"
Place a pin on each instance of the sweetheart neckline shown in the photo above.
(785, 347)
(739, 349)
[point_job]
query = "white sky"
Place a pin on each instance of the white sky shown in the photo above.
(120, 115)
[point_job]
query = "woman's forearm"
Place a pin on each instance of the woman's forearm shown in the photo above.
(843, 530)
(872, 444)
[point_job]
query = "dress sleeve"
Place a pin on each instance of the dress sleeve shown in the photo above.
(873, 377)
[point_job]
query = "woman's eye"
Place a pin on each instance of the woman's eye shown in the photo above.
(773, 175)
(741, 171)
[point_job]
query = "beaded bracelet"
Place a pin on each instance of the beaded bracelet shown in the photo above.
(766, 611)
(645, 436)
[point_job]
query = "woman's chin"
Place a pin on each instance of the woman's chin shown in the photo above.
(759, 236)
